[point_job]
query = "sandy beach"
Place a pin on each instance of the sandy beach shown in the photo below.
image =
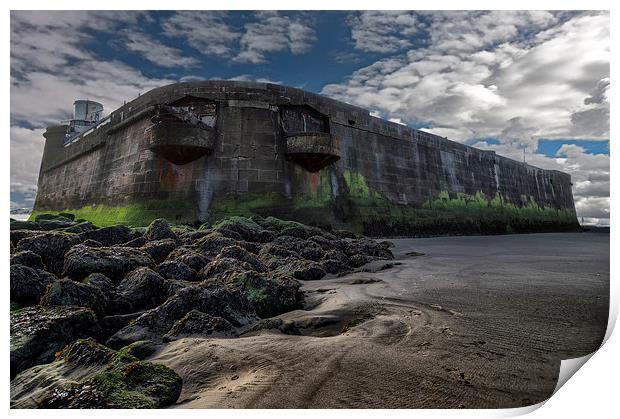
(474, 322)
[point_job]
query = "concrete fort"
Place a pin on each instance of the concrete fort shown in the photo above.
(200, 151)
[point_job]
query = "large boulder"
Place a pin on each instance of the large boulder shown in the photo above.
(159, 230)
(89, 375)
(219, 267)
(174, 269)
(159, 249)
(102, 283)
(213, 243)
(66, 292)
(51, 246)
(214, 299)
(269, 296)
(25, 225)
(141, 289)
(114, 262)
(27, 258)
(109, 236)
(37, 333)
(197, 323)
(189, 256)
(368, 247)
(28, 285)
(245, 228)
(301, 269)
(242, 255)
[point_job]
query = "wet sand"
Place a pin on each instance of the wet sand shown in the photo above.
(475, 322)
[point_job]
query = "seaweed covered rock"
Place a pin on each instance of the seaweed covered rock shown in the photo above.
(245, 228)
(159, 229)
(66, 292)
(109, 236)
(86, 374)
(114, 262)
(102, 283)
(219, 267)
(301, 269)
(28, 285)
(38, 332)
(51, 247)
(80, 227)
(368, 247)
(197, 323)
(269, 296)
(159, 249)
(189, 256)
(140, 349)
(27, 258)
(141, 289)
(242, 255)
(25, 225)
(174, 269)
(214, 299)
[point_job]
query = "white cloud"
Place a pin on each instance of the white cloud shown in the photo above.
(383, 31)
(515, 76)
(156, 52)
(207, 31)
(273, 33)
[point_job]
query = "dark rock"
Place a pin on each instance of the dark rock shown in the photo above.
(299, 232)
(286, 327)
(369, 248)
(269, 296)
(214, 242)
(114, 262)
(67, 215)
(91, 243)
(244, 229)
(221, 266)
(189, 256)
(337, 255)
(214, 299)
(137, 242)
(174, 269)
(27, 258)
(52, 217)
(51, 246)
(329, 242)
(102, 282)
(37, 333)
(159, 249)
(109, 236)
(302, 269)
(141, 289)
(66, 292)
(197, 323)
(345, 234)
(312, 252)
(242, 255)
(113, 323)
(190, 237)
(25, 225)
(89, 375)
(140, 349)
(332, 266)
(79, 227)
(27, 286)
(18, 235)
(358, 260)
(159, 230)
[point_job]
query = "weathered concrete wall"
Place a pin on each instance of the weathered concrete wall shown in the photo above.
(387, 178)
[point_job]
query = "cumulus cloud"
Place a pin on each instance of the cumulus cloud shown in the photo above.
(207, 31)
(272, 33)
(515, 76)
(156, 52)
(383, 31)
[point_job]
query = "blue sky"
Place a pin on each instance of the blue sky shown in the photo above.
(533, 81)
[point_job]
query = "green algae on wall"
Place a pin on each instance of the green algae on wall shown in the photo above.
(175, 211)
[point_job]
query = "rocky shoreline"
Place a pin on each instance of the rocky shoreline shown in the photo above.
(88, 304)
